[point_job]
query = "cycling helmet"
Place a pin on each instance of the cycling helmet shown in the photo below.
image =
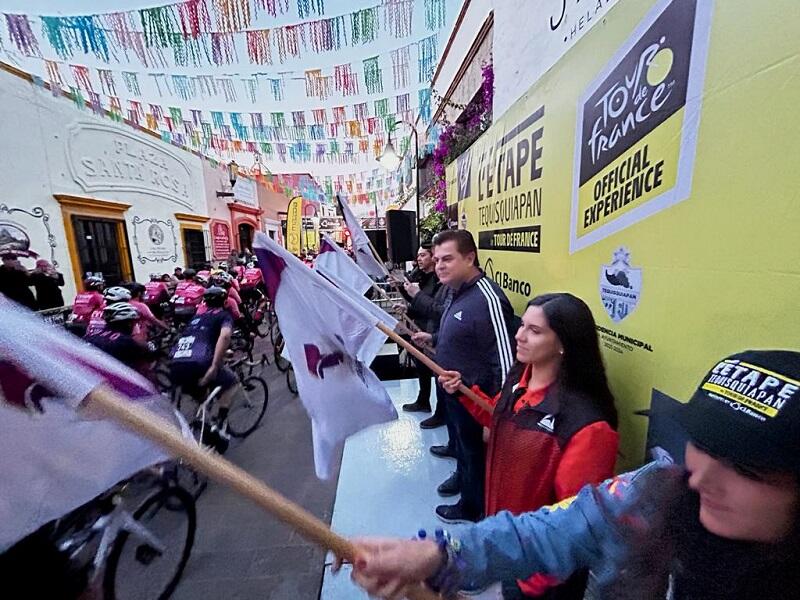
(221, 277)
(189, 273)
(251, 265)
(215, 296)
(120, 312)
(155, 277)
(93, 283)
(201, 279)
(240, 261)
(117, 294)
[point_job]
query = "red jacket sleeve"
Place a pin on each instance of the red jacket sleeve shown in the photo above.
(481, 415)
(589, 458)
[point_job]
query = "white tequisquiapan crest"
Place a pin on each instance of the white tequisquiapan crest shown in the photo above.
(53, 459)
(331, 339)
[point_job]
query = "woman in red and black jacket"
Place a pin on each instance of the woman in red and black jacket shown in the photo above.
(553, 429)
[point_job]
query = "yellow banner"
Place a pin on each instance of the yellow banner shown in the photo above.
(294, 220)
(650, 172)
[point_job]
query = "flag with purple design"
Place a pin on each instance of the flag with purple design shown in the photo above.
(331, 338)
(54, 458)
(362, 249)
(333, 260)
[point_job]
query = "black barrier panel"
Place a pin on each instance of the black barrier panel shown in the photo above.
(516, 239)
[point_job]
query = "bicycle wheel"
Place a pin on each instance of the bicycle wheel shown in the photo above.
(280, 361)
(145, 572)
(248, 407)
(274, 331)
(291, 380)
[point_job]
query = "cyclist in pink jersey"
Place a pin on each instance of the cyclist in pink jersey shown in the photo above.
(147, 320)
(85, 304)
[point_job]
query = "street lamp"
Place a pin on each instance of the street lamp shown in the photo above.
(391, 162)
(389, 158)
(233, 172)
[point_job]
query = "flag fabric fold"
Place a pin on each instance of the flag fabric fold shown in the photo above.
(365, 257)
(330, 339)
(373, 341)
(333, 260)
(55, 460)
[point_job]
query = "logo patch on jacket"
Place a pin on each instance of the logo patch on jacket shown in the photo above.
(458, 315)
(547, 422)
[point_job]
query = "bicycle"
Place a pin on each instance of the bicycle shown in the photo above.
(291, 380)
(245, 413)
(108, 536)
(281, 362)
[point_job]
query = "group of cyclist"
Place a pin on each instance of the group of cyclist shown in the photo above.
(201, 309)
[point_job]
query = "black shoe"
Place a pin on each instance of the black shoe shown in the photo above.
(431, 422)
(443, 452)
(450, 486)
(455, 513)
(417, 407)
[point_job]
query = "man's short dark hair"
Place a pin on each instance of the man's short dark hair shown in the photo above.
(426, 246)
(465, 243)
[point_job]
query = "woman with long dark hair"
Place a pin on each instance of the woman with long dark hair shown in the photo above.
(553, 429)
(726, 526)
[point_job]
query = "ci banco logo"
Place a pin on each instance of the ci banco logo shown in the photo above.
(506, 281)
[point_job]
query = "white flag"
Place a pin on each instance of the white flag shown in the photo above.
(362, 249)
(335, 261)
(372, 344)
(53, 460)
(330, 340)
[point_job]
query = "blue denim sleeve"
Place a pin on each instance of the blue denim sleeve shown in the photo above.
(581, 532)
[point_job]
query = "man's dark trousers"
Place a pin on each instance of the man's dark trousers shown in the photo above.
(466, 436)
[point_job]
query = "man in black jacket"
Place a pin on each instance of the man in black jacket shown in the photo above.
(15, 281)
(475, 337)
(420, 291)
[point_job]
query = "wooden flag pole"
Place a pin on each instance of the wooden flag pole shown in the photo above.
(145, 423)
(433, 366)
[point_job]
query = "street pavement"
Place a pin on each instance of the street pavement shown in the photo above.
(241, 553)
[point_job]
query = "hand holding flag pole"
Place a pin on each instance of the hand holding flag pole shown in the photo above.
(419, 355)
(68, 374)
(144, 423)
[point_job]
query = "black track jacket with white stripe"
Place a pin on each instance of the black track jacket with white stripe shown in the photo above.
(476, 334)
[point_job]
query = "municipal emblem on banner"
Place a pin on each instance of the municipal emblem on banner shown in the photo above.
(620, 286)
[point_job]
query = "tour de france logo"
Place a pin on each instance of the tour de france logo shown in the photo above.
(620, 285)
(637, 124)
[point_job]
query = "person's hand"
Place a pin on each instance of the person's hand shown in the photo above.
(386, 568)
(422, 338)
(398, 308)
(412, 289)
(450, 380)
(210, 375)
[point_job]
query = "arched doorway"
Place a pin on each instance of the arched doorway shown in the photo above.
(246, 232)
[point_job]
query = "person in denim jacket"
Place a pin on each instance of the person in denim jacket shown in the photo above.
(724, 526)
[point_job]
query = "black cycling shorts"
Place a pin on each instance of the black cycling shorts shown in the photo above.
(188, 374)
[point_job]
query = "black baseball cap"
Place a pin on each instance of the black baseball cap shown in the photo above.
(747, 410)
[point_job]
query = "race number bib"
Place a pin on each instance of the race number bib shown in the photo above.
(184, 347)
